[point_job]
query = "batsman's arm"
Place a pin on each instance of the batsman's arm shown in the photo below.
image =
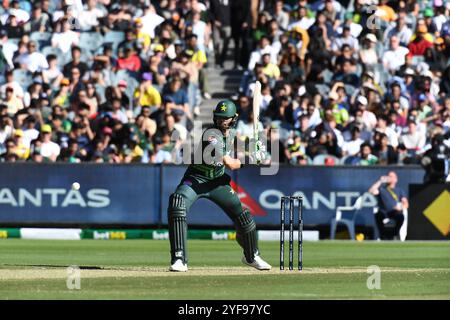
(231, 163)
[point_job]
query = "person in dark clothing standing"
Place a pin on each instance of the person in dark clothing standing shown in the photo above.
(220, 14)
(391, 202)
(240, 32)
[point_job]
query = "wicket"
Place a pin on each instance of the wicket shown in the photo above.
(290, 203)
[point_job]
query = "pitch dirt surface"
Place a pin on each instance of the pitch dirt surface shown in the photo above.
(48, 273)
(138, 269)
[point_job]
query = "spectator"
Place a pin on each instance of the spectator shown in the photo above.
(162, 154)
(368, 117)
(9, 154)
(75, 63)
(391, 202)
(413, 139)
(322, 76)
(220, 15)
(394, 58)
(13, 103)
(420, 42)
(353, 146)
(13, 27)
(38, 22)
(21, 150)
(368, 53)
(187, 70)
(146, 94)
(32, 60)
(295, 151)
(345, 38)
(199, 58)
(386, 13)
(66, 38)
(282, 17)
(52, 75)
(6, 129)
(366, 158)
(178, 94)
(384, 151)
(129, 60)
(49, 149)
(11, 83)
(76, 83)
(256, 55)
(390, 133)
(8, 48)
(400, 30)
(29, 132)
(202, 30)
(88, 18)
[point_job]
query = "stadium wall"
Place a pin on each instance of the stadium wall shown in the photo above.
(136, 195)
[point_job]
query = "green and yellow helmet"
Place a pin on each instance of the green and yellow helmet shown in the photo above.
(225, 109)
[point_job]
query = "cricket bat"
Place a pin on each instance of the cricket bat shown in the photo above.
(257, 97)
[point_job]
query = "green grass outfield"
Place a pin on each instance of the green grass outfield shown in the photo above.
(137, 269)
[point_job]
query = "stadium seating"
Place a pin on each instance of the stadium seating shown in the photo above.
(42, 39)
(91, 41)
(23, 77)
(115, 38)
(349, 222)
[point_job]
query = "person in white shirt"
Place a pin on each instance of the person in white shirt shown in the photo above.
(52, 75)
(88, 18)
(400, 29)
(414, 140)
(439, 19)
(368, 117)
(65, 39)
(6, 129)
(368, 53)
(161, 155)
(118, 111)
(202, 30)
(256, 55)
(8, 48)
(303, 21)
(32, 60)
(150, 20)
(49, 149)
(352, 147)
(21, 15)
(280, 16)
(388, 131)
(9, 82)
(355, 28)
(29, 131)
(314, 116)
(345, 38)
(394, 58)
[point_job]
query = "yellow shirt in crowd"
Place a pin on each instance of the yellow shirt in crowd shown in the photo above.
(151, 97)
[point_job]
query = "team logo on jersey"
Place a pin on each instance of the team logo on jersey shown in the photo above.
(212, 140)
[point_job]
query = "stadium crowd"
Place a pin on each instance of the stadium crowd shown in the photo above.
(359, 82)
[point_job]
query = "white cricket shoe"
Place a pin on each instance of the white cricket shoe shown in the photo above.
(257, 263)
(179, 266)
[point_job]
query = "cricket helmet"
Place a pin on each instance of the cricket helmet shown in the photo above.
(225, 109)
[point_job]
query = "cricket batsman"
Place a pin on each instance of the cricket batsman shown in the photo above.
(209, 180)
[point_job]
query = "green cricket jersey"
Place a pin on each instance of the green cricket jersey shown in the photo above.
(213, 147)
